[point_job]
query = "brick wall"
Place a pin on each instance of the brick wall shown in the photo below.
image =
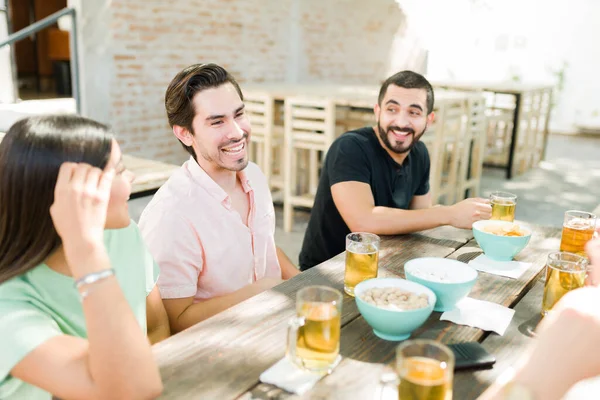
(149, 41)
(348, 41)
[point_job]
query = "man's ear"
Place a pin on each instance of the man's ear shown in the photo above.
(430, 118)
(184, 135)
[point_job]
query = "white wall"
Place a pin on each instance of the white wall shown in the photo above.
(7, 89)
(95, 57)
(530, 40)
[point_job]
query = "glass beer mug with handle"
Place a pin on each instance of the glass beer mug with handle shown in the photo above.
(503, 206)
(314, 333)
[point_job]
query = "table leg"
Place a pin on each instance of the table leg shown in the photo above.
(513, 140)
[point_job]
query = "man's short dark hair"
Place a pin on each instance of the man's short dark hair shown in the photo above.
(408, 80)
(184, 86)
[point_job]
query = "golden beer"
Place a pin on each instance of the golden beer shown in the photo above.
(314, 334)
(503, 206)
(578, 229)
(362, 259)
(564, 272)
(425, 370)
(318, 340)
(424, 379)
(359, 267)
(503, 210)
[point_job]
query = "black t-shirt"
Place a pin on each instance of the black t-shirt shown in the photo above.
(358, 156)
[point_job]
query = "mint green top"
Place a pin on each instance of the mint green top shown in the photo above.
(42, 303)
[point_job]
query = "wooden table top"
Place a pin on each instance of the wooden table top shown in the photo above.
(359, 96)
(493, 86)
(149, 174)
(224, 356)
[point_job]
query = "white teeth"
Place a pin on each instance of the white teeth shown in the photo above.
(235, 149)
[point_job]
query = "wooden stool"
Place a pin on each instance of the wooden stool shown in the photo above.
(309, 130)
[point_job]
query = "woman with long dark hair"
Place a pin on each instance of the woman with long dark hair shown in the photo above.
(77, 286)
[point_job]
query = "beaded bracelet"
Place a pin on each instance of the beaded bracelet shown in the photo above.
(92, 278)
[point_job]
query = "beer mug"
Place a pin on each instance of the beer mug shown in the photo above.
(503, 206)
(314, 334)
(424, 370)
(362, 259)
(578, 228)
(564, 272)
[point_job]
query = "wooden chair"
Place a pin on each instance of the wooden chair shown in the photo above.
(444, 147)
(266, 138)
(472, 148)
(309, 130)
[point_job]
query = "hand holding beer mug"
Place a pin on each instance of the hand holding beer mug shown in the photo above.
(564, 272)
(578, 229)
(503, 206)
(424, 370)
(362, 259)
(314, 334)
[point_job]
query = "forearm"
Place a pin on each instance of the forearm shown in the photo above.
(393, 221)
(117, 344)
(159, 333)
(288, 270)
(198, 312)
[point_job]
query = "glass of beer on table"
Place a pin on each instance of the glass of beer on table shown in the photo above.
(503, 206)
(578, 229)
(425, 370)
(564, 272)
(314, 334)
(362, 259)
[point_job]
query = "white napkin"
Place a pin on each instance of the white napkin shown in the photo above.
(480, 314)
(511, 269)
(286, 375)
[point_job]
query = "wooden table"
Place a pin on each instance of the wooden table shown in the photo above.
(223, 357)
(150, 175)
(530, 117)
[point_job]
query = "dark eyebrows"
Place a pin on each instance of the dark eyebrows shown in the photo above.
(392, 101)
(221, 116)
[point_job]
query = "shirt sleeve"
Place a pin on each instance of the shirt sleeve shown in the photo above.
(423, 187)
(177, 251)
(23, 328)
(347, 161)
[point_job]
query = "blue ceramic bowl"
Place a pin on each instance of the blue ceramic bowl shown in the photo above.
(450, 280)
(500, 248)
(393, 325)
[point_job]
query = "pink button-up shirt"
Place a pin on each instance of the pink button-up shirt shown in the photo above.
(199, 240)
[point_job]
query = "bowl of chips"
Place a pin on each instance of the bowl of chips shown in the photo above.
(501, 240)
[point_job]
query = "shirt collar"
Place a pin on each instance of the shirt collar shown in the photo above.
(200, 177)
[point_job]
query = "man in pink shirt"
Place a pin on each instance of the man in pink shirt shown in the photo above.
(211, 226)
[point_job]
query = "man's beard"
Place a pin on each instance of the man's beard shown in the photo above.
(399, 148)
